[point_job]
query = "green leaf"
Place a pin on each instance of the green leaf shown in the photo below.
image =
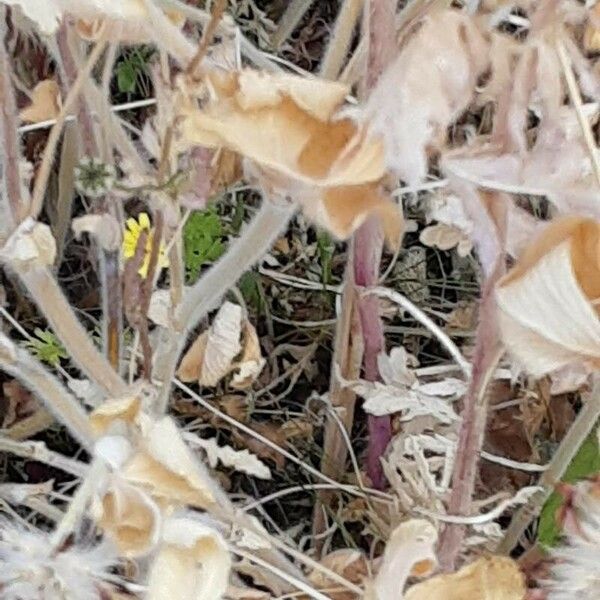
(202, 241)
(249, 287)
(585, 463)
(126, 77)
(46, 347)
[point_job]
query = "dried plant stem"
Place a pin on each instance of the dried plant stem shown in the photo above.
(581, 428)
(337, 50)
(255, 241)
(260, 59)
(292, 16)
(41, 182)
(9, 143)
(39, 452)
(208, 35)
(575, 97)
(488, 351)
(69, 75)
(79, 503)
(20, 364)
(297, 583)
(420, 316)
(55, 307)
(367, 247)
(39, 421)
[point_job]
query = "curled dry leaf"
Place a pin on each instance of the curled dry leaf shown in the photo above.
(213, 355)
(492, 578)
(349, 563)
(129, 516)
(591, 36)
(105, 229)
(251, 362)
(45, 103)
(547, 312)
(402, 392)
(169, 471)
(446, 237)
(430, 83)
(193, 562)
(31, 245)
(114, 411)
(410, 551)
(240, 460)
(287, 127)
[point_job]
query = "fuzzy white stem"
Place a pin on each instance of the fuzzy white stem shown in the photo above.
(21, 365)
(55, 307)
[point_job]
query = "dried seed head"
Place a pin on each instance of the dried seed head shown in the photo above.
(93, 177)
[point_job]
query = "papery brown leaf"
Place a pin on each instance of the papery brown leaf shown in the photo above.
(251, 362)
(348, 563)
(591, 35)
(45, 103)
(493, 578)
(169, 470)
(211, 356)
(547, 316)
(115, 410)
(129, 516)
(193, 562)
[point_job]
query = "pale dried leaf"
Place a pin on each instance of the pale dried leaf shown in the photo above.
(251, 362)
(558, 276)
(45, 103)
(168, 469)
(129, 516)
(410, 551)
(104, 227)
(113, 411)
(349, 563)
(492, 578)
(239, 460)
(192, 564)
(211, 356)
(30, 245)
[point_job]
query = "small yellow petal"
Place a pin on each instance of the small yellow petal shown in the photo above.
(144, 220)
(133, 226)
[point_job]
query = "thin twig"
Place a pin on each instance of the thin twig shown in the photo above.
(337, 50)
(57, 399)
(41, 182)
(292, 16)
(575, 97)
(420, 316)
(9, 143)
(55, 307)
(207, 36)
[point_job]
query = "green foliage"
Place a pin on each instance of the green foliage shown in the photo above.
(249, 286)
(46, 347)
(325, 248)
(585, 463)
(202, 241)
(132, 71)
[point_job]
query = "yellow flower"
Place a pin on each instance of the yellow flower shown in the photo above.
(131, 237)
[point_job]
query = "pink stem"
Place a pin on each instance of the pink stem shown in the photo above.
(368, 241)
